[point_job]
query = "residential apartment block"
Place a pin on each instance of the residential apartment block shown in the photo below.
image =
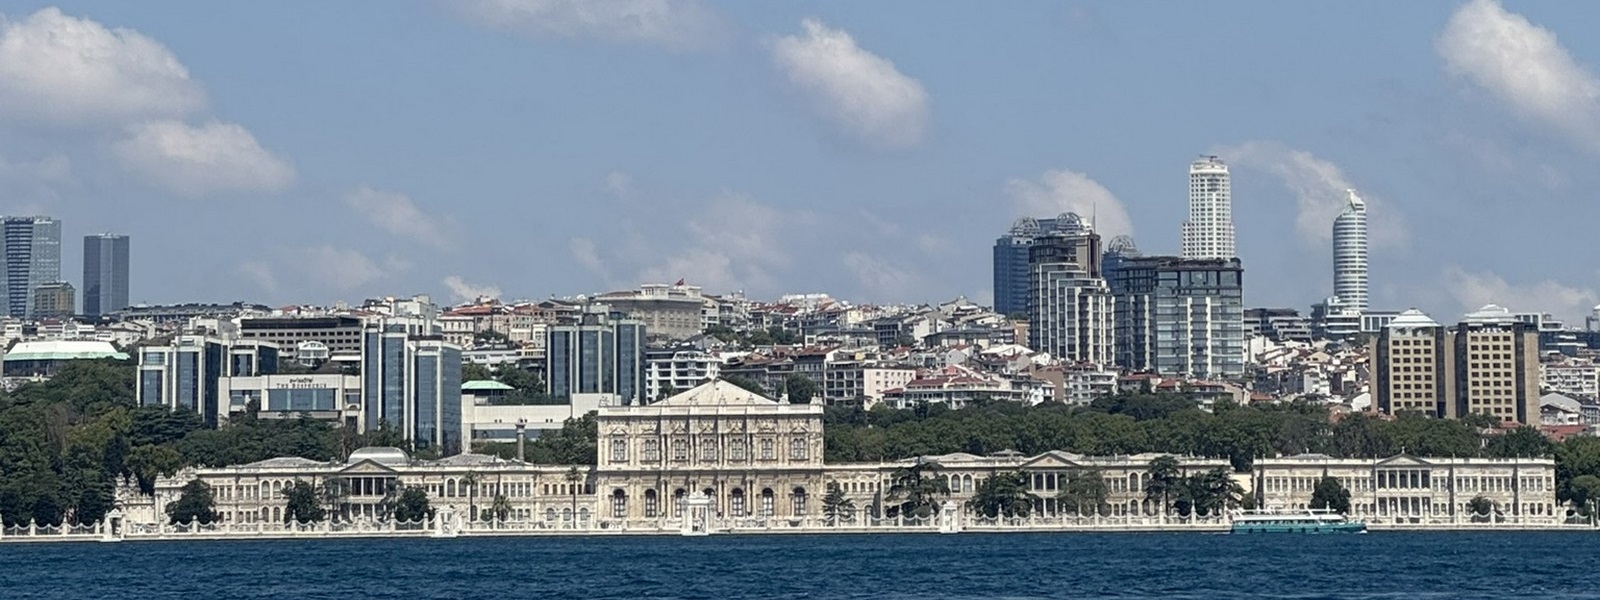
(1487, 364)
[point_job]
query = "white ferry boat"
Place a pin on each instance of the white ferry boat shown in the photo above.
(1308, 520)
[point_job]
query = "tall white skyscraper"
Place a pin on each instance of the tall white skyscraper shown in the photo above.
(1208, 232)
(1350, 253)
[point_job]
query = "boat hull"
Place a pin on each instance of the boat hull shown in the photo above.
(1310, 528)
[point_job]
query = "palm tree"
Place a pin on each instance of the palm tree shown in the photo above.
(471, 480)
(1166, 481)
(1003, 494)
(500, 508)
(836, 505)
(573, 477)
(1084, 488)
(917, 492)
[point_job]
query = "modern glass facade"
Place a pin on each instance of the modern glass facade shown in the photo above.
(412, 382)
(1069, 305)
(1179, 316)
(603, 354)
(32, 258)
(1011, 267)
(187, 374)
(105, 274)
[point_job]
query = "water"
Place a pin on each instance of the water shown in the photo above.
(1380, 565)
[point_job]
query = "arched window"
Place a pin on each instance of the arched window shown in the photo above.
(566, 515)
(766, 502)
(736, 503)
(677, 502)
(652, 504)
(450, 488)
(583, 514)
(549, 514)
(966, 483)
(619, 504)
(1133, 482)
(798, 502)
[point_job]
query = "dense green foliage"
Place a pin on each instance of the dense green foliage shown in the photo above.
(66, 443)
(302, 504)
(527, 388)
(837, 507)
(574, 444)
(801, 389)
(916, 491)
(195, 503)
(1330, 494)
(1002, 495)
(412, 505)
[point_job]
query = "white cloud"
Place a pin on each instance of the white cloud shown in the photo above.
(261, 274)
(1523, 66)
(619, 184)
(398, 215)
(344, 269)
(588, 256)
(1473, 290)
(468, 292)
(196, 161)
(674, 24)
(733, 245)
(879, 277)
(1059, 190)
(1319, 188)
(863, 93)
(71, 71)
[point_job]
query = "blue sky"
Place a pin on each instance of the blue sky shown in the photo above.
(309, 152)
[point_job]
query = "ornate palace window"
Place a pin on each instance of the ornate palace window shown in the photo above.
(652, 451)
(766, 502)
(737, 450)
(797, 448)
(652, 504)
(767, 452)
(619, 504)
(708, 448)
(798, 502)
(680, 450)
(736, 502)
(619, 450)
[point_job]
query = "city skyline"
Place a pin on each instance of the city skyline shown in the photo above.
(727, 145)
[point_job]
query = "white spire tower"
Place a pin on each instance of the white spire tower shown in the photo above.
(1350, 253)
(1208, 232)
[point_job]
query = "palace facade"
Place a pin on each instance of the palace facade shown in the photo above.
(758, 461)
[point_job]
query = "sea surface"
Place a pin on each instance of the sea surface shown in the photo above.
(1187, 565)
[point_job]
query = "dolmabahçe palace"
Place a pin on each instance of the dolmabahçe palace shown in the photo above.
(749, 462)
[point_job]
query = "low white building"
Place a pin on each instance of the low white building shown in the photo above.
(329, 397)
(682, 370)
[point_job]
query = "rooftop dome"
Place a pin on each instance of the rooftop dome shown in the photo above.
(1491, 313)
(388, 456)
(1413, 318)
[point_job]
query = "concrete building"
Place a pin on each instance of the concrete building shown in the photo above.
(44, 358)
(55, 300)
(1410, 367)
(1070, 308)
(324, 396)
(32, 258)
(669, 312)
(1208, 232)
(1350, 253)
(1576, 378)
(675, 370)
(1179, 316)
(602, 354)
(1012, 271)
(319, 337)
(863, 382)
(1333, 319)
(186, 374)
(1496, 367)
(411, 383)
(105, 273)
(1277, 324)
(1487, 364)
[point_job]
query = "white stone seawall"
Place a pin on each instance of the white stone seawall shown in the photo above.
(446, 528)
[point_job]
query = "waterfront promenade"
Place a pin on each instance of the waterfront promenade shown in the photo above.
(447, 525)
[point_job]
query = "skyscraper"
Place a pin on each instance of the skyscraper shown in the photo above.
(105, 273)
(1069, 306)
(411, 382)
(602, 354)
(1208, 232)
(1011, 269)
(32, 258)
(1350, 254)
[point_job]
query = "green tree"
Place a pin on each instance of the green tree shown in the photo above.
(667, 391)
(471, 480)
(475, 372)
(1083, 491)
(412, 505)
(195, 503)
(499, 509)
(1584, 495)
(1330, 494)
(146, 463)
(1522, 442)
(302, 504)
(1482, 510)
(801, 388)
(835, 506)
(333, 494)
(574, 481)
(1166, 482)
(1003, 494)
(1209, 493)
(916, 491)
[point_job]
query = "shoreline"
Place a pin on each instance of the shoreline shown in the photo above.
(322, 534)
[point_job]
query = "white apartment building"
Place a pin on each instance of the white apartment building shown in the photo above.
(1208, 232)
(683, 370)
(1577, 379)
(847, 382)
